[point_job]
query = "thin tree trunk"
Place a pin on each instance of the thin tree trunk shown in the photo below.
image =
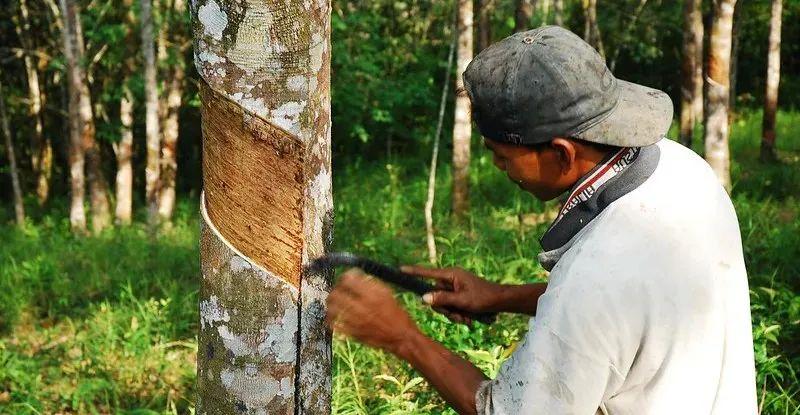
(626, 31)
(558, 12)
(462, 128)
(591, 29)
(522, 15)
(716, 121)
(152, 127)
(484, 23)
(124, 153)
(77, 214)
(691, 70)
(773, 80)
(98, 187)
(41, 148)
(19, 208)
(432, 256)
(737, 11)
(267, 207)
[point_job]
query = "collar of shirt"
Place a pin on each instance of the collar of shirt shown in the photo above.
(616, 175)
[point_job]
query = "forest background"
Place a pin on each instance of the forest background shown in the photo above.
(104, 320)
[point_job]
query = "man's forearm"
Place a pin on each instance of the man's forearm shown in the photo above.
(520, 299)
(456, 379)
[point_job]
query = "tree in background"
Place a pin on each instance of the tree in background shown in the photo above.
(485, 8)
(462, 125)
(123, 149)
(558, 12)
(41, 147)
(591, 29)
(691, 70)
(19, 208)
(718, 83)
(152, 125)
(267, 206)
(522, 15)
(773, 80)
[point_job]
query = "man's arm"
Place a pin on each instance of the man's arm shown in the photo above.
(461, 291)
(365, 309)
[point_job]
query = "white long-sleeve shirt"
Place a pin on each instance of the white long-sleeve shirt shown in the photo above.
(646, 311)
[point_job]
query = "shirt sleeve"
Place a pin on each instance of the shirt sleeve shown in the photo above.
(547, 375)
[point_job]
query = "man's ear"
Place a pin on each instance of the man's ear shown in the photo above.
(566, 153)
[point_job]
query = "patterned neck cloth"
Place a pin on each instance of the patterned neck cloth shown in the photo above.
(617, 174)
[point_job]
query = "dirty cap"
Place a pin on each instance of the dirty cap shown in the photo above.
(544, 83)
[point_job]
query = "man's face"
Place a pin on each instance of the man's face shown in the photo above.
(539, 171)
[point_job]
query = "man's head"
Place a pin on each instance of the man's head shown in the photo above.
(549, 169)
(549, 94)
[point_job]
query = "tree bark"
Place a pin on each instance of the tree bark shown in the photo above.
(152, 127)
(98, 187)
(267, 206)
(462, 127)
(716, 120)
(77, 214)
(19, 208)
(558, 12)
(691, 70)
(768, 152)
(737, 11)
(41, 148)
(522, 15)
(591, 29)
(124, 153)
(484, 23)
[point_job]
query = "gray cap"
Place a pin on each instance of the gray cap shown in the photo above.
(544, 83)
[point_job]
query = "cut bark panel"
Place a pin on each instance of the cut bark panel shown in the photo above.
(253, 175)
(244, 365)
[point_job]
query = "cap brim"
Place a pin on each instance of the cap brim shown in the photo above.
(641, 117)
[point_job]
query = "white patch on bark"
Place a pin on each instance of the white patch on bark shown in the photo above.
(234, 343)
(210, 58)
(320, 190)
(254, 390)
(280, 340)
(213, 19)
(255, 105)
(297, 83)
(287, 116)
(315, 55)
(211, 312)
(238, 264)
(251, 48)
(287, 387)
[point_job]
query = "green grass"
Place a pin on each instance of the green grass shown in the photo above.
(106, 324)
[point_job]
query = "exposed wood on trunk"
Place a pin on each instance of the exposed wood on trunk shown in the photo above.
(462, 128)
(77, 214)
(124, 152)
(523, 12)
(485, 8)
(152, 127)
(773, 80)
(591, 29)
(691, 70)
(429, 231)
(19, 208)
(718, 83)
(41, 148)
(267, 206)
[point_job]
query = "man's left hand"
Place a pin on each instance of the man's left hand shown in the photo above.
(365, 309)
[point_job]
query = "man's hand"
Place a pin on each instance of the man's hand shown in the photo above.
(365, 309)
(459, 293)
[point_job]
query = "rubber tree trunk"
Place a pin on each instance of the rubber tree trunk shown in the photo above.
(737, 23)
(691, 70)
(716, 120)
(19, 208)
(591, 29)
(558, 12)
(98, 187)
(152, 127)
(41, 148)
(267, 206)
(485, 8)
(124, 152)
(77, 214)
(171, 107)
(462, 127)
(523, 12)
(773, 80)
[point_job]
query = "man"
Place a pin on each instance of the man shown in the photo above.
(646, 310)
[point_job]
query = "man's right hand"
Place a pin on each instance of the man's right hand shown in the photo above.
(459, 294)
